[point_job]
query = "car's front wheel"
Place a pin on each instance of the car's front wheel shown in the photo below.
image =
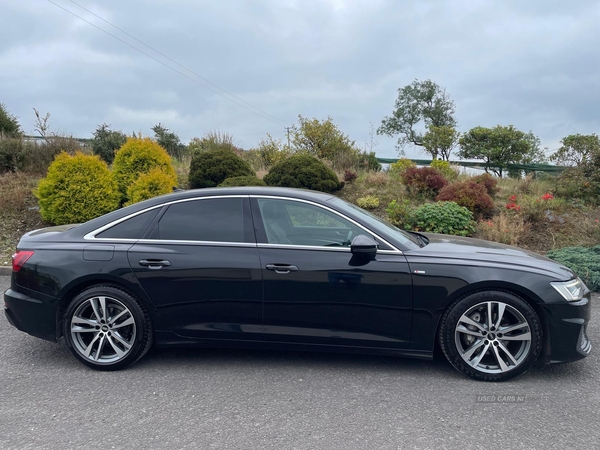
(107, 328)
(491, 335)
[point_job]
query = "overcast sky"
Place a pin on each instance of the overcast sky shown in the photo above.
(534, 64)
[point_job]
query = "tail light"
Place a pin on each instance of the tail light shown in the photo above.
(20, 258)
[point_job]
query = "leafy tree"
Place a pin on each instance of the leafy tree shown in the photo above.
(535, 155)
(322, 139)
(497, 146)
(169, 141)
(272, 151)
(106, 142)
(440, 141)
(577, 149)
(9, 124)
(419, 103)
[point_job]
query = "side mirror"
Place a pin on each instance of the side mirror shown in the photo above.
(363, 245)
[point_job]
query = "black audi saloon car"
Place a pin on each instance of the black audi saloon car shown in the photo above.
(281, 268)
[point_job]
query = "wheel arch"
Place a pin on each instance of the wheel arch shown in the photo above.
(518, 291)
(74, 288)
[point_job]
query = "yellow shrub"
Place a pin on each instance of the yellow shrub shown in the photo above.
(136, 157)
(149, 185)
(77, 189)
(401, 165)
(368, 202)
(444, 168)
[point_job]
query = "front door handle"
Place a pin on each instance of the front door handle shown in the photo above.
(282, 268)
(154, 263)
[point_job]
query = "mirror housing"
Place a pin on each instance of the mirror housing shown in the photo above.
(363, 245)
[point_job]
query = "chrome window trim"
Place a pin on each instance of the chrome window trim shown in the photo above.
(91, 236)
(343, 216)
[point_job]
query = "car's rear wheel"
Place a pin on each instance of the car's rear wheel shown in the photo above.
(107, 328)
(491, 335)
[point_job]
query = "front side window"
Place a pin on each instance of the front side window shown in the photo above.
(212, 219)
(297, 223)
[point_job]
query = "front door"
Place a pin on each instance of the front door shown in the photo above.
(316, 292)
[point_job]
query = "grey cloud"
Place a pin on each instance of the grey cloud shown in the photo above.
(533, 64)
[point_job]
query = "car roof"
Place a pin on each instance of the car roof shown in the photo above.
(304, 194)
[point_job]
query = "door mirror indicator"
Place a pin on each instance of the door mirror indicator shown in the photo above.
(363, 245)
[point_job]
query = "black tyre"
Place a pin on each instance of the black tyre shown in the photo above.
(107, 328)
(491, 335)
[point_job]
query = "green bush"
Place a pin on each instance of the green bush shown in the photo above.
(12, 155)
(303, 171)
(106, 142)
(471, 195)
(148, 185)
(77, 189)
(368, 161)
(242, 181)
(585, 262)
(398, 213)
(211, 167)
(443, 218)
(444, 168)
(139, 156)
(368, 202)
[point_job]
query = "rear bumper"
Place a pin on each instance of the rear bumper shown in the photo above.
(567, 326)
(31, 315)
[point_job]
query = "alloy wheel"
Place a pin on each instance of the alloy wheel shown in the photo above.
(103, 329)
(493, 337)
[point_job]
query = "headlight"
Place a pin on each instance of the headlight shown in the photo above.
(572, 291)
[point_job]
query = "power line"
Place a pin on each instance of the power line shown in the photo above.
(164, 64)
(173, 61)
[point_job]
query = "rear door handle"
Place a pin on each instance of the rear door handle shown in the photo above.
(154, 263)
(282, 268)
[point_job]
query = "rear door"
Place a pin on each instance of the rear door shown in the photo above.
(199, 265)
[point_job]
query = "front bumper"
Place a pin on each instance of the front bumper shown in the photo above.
(31, 315)
(567, 325)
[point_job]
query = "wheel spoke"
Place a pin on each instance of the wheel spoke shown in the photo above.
(467, 320)
(88, 349)
(489, 315)
(465, 330)
(100, 348)
(503, 366)
(469, 352)
(513, 328)
(475, 361)
(125, 323)
(94, 303)
(118, 316)
(84, 321)
(508, 353)
(115, 347)
(83, 330)
(104, 312)
(126, 344)
(519, 337)
(501, 308)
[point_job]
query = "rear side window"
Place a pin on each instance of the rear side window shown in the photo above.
(216, 220)
(133, 228)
